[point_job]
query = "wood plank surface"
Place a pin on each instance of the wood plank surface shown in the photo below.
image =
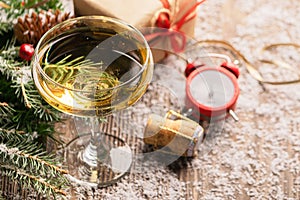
(256, 158)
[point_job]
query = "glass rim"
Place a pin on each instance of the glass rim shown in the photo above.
(93, 17)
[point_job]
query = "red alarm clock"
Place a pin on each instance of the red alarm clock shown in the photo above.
(212, 92)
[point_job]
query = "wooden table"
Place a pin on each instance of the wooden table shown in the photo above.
(255, 158)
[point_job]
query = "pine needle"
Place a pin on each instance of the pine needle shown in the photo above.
(23, 160)
(24, 116)
(23, 95)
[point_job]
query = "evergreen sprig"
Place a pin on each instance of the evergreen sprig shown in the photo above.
(21, 94)
(17, 8)
(26, 120)
(6, 113)
(25, 162)
(5, 28)
(9, 62)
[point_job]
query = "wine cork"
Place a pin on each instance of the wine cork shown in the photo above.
(180, 136)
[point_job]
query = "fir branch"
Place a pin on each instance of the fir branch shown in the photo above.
(5, 28)
(66, 71)
(25, 117)
(6, 113)
(37, 159)
(17, 8)
(25, 89)
(39, 4)
(9, 63)
(26, 101)
(30, 181)
(23, 160)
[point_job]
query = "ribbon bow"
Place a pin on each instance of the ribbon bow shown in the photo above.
(169, 28)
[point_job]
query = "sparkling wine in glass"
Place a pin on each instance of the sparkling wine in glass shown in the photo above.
(90, 67)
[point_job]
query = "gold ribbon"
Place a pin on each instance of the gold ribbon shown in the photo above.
(250, 67)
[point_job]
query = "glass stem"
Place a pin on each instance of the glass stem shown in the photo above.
(90, 155)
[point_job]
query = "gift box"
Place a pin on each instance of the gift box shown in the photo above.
(171, 21)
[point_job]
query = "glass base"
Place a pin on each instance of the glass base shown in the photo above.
(99, 167)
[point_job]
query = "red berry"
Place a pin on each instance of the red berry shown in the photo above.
(26, 51)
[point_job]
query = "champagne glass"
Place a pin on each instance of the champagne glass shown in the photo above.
(90, 67)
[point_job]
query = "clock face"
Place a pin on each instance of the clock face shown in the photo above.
(212, 88)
